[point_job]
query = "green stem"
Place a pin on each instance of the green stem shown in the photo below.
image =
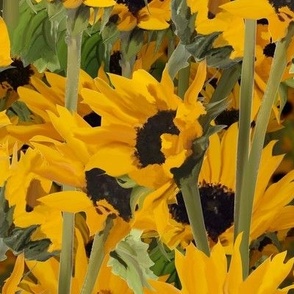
(66, 255)
(251, 168)
(246, 97)
(191, 196)
(183, 80)
(71, 101)
(74, 41)
(11, 14)
(96, 258)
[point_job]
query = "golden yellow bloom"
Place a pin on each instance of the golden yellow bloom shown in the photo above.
(279, 13)
(141, 112)
(212, 19)
(212, 275)
(71, 4)
(271, 212)
(129, 14)
(5, 59)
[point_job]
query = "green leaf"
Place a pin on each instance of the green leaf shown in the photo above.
(132, 262)
(132, 46)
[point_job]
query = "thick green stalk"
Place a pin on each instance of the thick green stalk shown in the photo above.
(251, 168)
(191, 196)
(66, 255)
(246, 97)
(11, 14)
(71, 100)
(96, 258)
(74, 41)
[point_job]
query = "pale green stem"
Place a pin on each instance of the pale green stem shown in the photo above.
(251, 168)
(96, 258)
(74, 41)
(183, 80)
(71, 100)
(11, 14)
(246, 97)
(191, 196)
(66, 255)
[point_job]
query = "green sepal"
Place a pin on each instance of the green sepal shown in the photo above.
(183, 21)
(105, 17)
(81, 20)
(132, 46)
(178, 60)
(37, 250)
(6, 214)
(110, 34)
(138, 194)
(132, 263)
(193, 163)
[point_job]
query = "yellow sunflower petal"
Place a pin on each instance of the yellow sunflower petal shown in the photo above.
(116, 160)
(269, 275)
(99, 3)
(235, 276)
(197, 84)
(51, 268)
(5, 59)
(69, 201)
(12, 282)
(229, 154)
(249, 9)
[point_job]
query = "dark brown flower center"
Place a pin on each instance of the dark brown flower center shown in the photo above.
(16, 76)
(148, 141)
(101, 186)
(269, 50)
(277, 4)
(114, 63)
(227, 117)
(218, 209)
(133, 5)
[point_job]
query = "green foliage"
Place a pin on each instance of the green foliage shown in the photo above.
(131, 262)
(164, 262)
(19, 239)
(199, 46)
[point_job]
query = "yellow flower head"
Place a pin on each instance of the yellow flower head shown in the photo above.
(146, 128)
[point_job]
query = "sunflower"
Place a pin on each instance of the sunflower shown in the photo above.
(146, 128)
(278, 13)
(42, 97)
(271, 212)
(210, 19)
(212, 275)
(127, 14)
(5, 59)
(71, 4)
